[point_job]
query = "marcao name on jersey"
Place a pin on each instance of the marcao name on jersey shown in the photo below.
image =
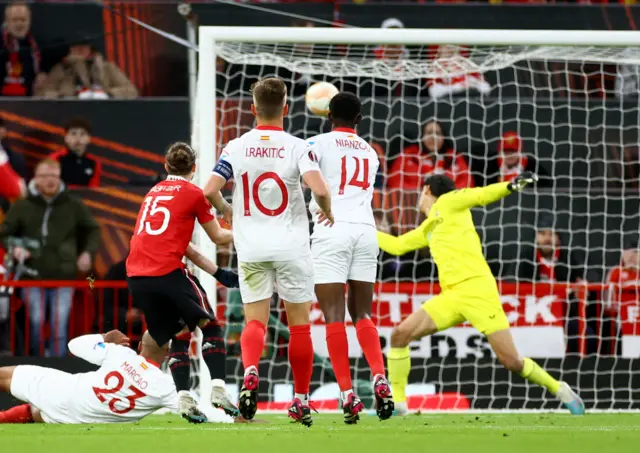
(264, 151)
(134, 375)
(353, 144)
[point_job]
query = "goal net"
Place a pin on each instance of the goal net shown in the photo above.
(480, 106)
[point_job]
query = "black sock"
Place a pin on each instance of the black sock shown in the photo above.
(179, 363)
(214, 350)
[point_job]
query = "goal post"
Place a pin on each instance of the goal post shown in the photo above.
(555, 96)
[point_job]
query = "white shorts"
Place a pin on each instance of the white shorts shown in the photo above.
(49, 390)
(293, 280)
(346, 251)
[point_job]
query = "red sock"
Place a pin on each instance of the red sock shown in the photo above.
(18, 414)
(370, 344)
(252, 343)
(301, 357)
(339, 354)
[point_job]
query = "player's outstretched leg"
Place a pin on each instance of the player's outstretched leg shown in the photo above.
(17, 414)
(300, 359)
(417, 325)
(360, 302)
(502, 344)
(214, 353)
(252, 345)
(181, 368)
(331, 299)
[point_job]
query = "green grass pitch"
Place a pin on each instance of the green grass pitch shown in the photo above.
(513, 433)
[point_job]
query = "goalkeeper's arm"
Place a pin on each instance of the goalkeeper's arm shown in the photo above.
(413, 240)
(482, 196)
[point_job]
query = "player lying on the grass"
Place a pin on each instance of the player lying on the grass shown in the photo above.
(469, 290)
(126, 388)
(348, 252)
(174, 303)
(271, 236)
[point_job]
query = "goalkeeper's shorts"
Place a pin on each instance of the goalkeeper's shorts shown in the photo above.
(476, 300)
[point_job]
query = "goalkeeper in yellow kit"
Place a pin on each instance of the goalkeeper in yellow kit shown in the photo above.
(469, 290)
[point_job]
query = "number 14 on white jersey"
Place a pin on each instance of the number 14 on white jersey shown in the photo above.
(349, 164)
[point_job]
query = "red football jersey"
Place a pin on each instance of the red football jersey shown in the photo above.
(165, 226)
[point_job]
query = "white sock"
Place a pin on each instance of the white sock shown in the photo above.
(251, 368)
(344, 396)
(304, 397)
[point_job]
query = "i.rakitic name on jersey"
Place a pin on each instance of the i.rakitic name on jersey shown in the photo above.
(260, 151)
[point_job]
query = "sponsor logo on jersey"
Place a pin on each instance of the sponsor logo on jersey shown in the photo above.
(99, 345)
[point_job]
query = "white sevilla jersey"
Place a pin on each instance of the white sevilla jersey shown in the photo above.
(349, 165)
(270, 220)
(125, 388)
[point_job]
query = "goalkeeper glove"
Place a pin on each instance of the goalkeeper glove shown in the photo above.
(521, 181)
(227, 278)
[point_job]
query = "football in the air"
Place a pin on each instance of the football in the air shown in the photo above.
(318, 97)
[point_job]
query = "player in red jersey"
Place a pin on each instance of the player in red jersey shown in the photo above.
(173, 301)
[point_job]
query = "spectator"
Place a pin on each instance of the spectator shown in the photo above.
(456, 74)
(85, 74)
(79, 168)
(307, 48)
(67, 235)
(435, 154)
(16, 160)
(19, 54)
(628, 76)
(391, 52)
(512, 160)
(627, 274)
(548, 261)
